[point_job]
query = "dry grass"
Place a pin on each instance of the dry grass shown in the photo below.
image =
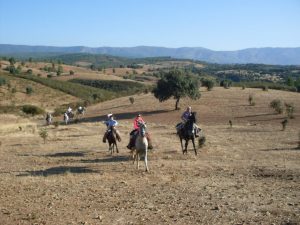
(248, 174)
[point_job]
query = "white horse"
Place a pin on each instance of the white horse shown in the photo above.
(141, 146)
(66, 118)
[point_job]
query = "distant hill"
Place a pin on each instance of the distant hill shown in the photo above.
(280, 56)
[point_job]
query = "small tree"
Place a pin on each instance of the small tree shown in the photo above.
(72, 72)
(243, 87)
(284, 123)
(299, 140)
(29, 71)
(113, 70)
(95, 96)
(60, 70)
(43, 134)
(12, 61)
(265, 88)
(289, 108)
(2, 81)
(131, 99)
(276, 104)
(176, 84)
(230, 123)
(29, 90)
(251, 100)
(208, 83)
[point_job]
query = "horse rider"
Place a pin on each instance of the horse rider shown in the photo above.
(69, 112)
(111, 124)
(48, 118)
(185, 117)
(133, 134)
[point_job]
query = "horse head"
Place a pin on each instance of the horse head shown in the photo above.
(142, 129)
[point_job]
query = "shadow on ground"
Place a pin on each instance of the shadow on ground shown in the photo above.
(107, 160)
(58, 171)
(66, 154)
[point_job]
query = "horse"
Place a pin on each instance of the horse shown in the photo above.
(112, 138)
(80, 111)
(141, 146)
(187, 133)
(66, 118)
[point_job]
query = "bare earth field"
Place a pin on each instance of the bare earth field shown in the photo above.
(247, 174)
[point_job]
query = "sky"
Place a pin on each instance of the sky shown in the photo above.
(213, 24)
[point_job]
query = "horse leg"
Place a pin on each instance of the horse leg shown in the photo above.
(186, 144)
(193, 140)
(138, 160)
(116, 147)
(181, 145)
(146, 161)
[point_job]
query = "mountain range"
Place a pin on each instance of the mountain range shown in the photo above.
(274, 56)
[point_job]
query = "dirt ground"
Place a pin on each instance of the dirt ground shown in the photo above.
(247, 174)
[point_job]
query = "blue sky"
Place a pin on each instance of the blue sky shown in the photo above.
(213, 24)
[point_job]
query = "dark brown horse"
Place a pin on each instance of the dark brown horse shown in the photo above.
(112, 138)
(187, 133)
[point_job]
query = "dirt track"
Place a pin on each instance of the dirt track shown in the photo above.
(248, 174)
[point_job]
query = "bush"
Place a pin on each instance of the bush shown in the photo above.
(56, 124)
(13, 90)
(72, 72)
(284, 123)
(131, 99)
(251, 100)
(29, 71)
(32, 109)
(29, 90)
(2, 81)
(277, 105)
(209, 84)
(265, 88)
(289, 108)
(43, 134)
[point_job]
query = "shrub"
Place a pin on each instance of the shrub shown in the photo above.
(243, 87)
(2, 81)
(29, 90)
(72, 72)
(131, 99)
(251, 100)
(265, 88)
(13, 90)
(276, 104)
(209, 84)
(56, 124)
(284, 123)
(289, 108)
(29, 71)
(299, 140)
(43, 134)
(32, 109)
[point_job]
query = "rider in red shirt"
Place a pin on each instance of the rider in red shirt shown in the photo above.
(138, 119)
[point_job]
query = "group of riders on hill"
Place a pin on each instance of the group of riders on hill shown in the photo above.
(111, 124)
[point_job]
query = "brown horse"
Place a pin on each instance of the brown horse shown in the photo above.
(187, 133)
(112, 138)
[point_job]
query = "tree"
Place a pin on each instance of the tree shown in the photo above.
(12, 61)
(60, 70)
(176, 84)
(208, 83)
(277, 105)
